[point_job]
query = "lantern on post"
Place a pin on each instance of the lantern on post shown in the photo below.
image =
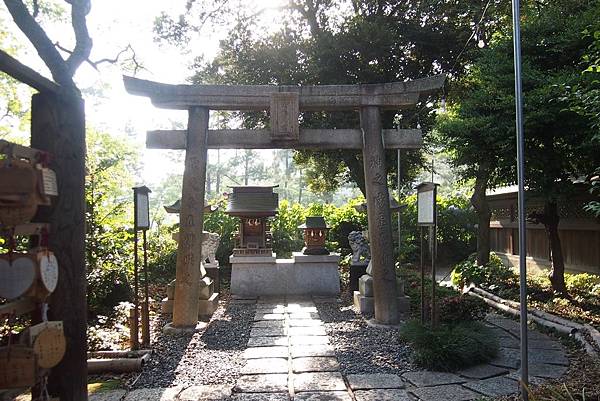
(315, 233)
(141, 207)
(427, 217)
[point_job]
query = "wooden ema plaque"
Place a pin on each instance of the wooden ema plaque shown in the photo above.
(17, 274)
(48, 342)
(17, 367)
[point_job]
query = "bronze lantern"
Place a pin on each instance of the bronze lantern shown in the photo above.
(315, 233)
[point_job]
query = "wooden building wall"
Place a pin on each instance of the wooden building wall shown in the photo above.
(578, 231)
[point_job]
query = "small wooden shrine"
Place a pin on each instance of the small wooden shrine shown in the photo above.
(253, 205)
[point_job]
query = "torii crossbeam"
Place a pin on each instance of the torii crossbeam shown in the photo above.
(284, 104)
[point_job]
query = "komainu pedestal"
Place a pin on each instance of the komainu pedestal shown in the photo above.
(208, 299)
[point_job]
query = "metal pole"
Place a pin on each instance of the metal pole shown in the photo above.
(422, 276)
(521, 199)
(135, 320)
(146, 306)
(433, 240)
(399, 209)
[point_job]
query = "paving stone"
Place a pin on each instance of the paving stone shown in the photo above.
(304, 315)
(452, 392)
(319, 381)
(305, 322)
(382, 395)
(424, 378)
(555, 357)
(374, 381)
(325, 300)
(205, 393)
(307, 331)
(507, 358)
(482, 371)
(271, 383)
(268, 332)
(309, 340)
(495, 386)
(242, 301)
(153, 394)
(261, 397)
(302, 309)
(544, 370)
(323, 396)
(267, 341)
(265, 365)
(508, 342)
(269, 323)
(269, 316)
(516, 375)
(112, 395)
(266, 352)
(278, 310)
(312, 350)
(300, 302)
(271, 300)
(315, 364)
(545, 344)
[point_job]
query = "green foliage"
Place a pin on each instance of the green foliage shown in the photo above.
(468, 271)
(287, 237)
(462, 308)
(111, 165)
(456, 232)
(450, 347)
(582, 283)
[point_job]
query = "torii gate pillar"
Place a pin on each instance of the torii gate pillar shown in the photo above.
(379, 219)
(191, 221)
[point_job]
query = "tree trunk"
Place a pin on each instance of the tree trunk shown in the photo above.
(479, 202)
(356, 170)
(557, 274)
(58, 127)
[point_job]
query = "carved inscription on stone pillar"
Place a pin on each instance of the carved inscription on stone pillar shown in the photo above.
(284, 116)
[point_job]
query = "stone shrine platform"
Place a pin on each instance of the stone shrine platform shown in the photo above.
(301, 275)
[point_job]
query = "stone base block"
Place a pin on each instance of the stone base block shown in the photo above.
(213, 271)
(356, 271)
(206, 288)
(365, 285)
(302, 275)
(256, 259)
(366, 305)
(166, 306)
(206, 307)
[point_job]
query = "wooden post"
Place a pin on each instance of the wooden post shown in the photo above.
(191, 220)
(380, 224)
(146, 304)
(134, 342)
(135, 321)
(58, 127)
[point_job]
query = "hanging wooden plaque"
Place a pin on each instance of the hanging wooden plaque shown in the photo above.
(18, 197)
(17, 367)
(47, 271)
(17, 274)
(48, 342)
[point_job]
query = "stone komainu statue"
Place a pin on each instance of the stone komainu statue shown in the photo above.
(359, 246)
(210, 243)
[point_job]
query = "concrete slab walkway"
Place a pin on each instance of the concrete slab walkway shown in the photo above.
(290, 357)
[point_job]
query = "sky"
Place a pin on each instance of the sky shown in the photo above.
(113, 25)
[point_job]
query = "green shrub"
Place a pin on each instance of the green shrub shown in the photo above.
(462, 308)
(450, 347)
(582, 283)
(468, 271)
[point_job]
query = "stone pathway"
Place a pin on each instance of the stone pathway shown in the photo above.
(289, 357)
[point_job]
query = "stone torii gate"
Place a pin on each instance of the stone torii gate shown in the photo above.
(284, 103)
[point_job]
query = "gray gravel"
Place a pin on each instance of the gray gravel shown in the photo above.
(211, 356)
(360, 348)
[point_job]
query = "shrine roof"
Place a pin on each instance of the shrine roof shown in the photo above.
(253, 201)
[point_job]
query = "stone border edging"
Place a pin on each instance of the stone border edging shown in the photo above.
(564, 326)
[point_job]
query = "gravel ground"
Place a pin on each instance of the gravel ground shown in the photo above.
(360, 348)
(210, 356)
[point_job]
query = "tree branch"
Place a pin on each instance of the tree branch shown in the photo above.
(95, 64)
(38, 38)
(83, 42)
